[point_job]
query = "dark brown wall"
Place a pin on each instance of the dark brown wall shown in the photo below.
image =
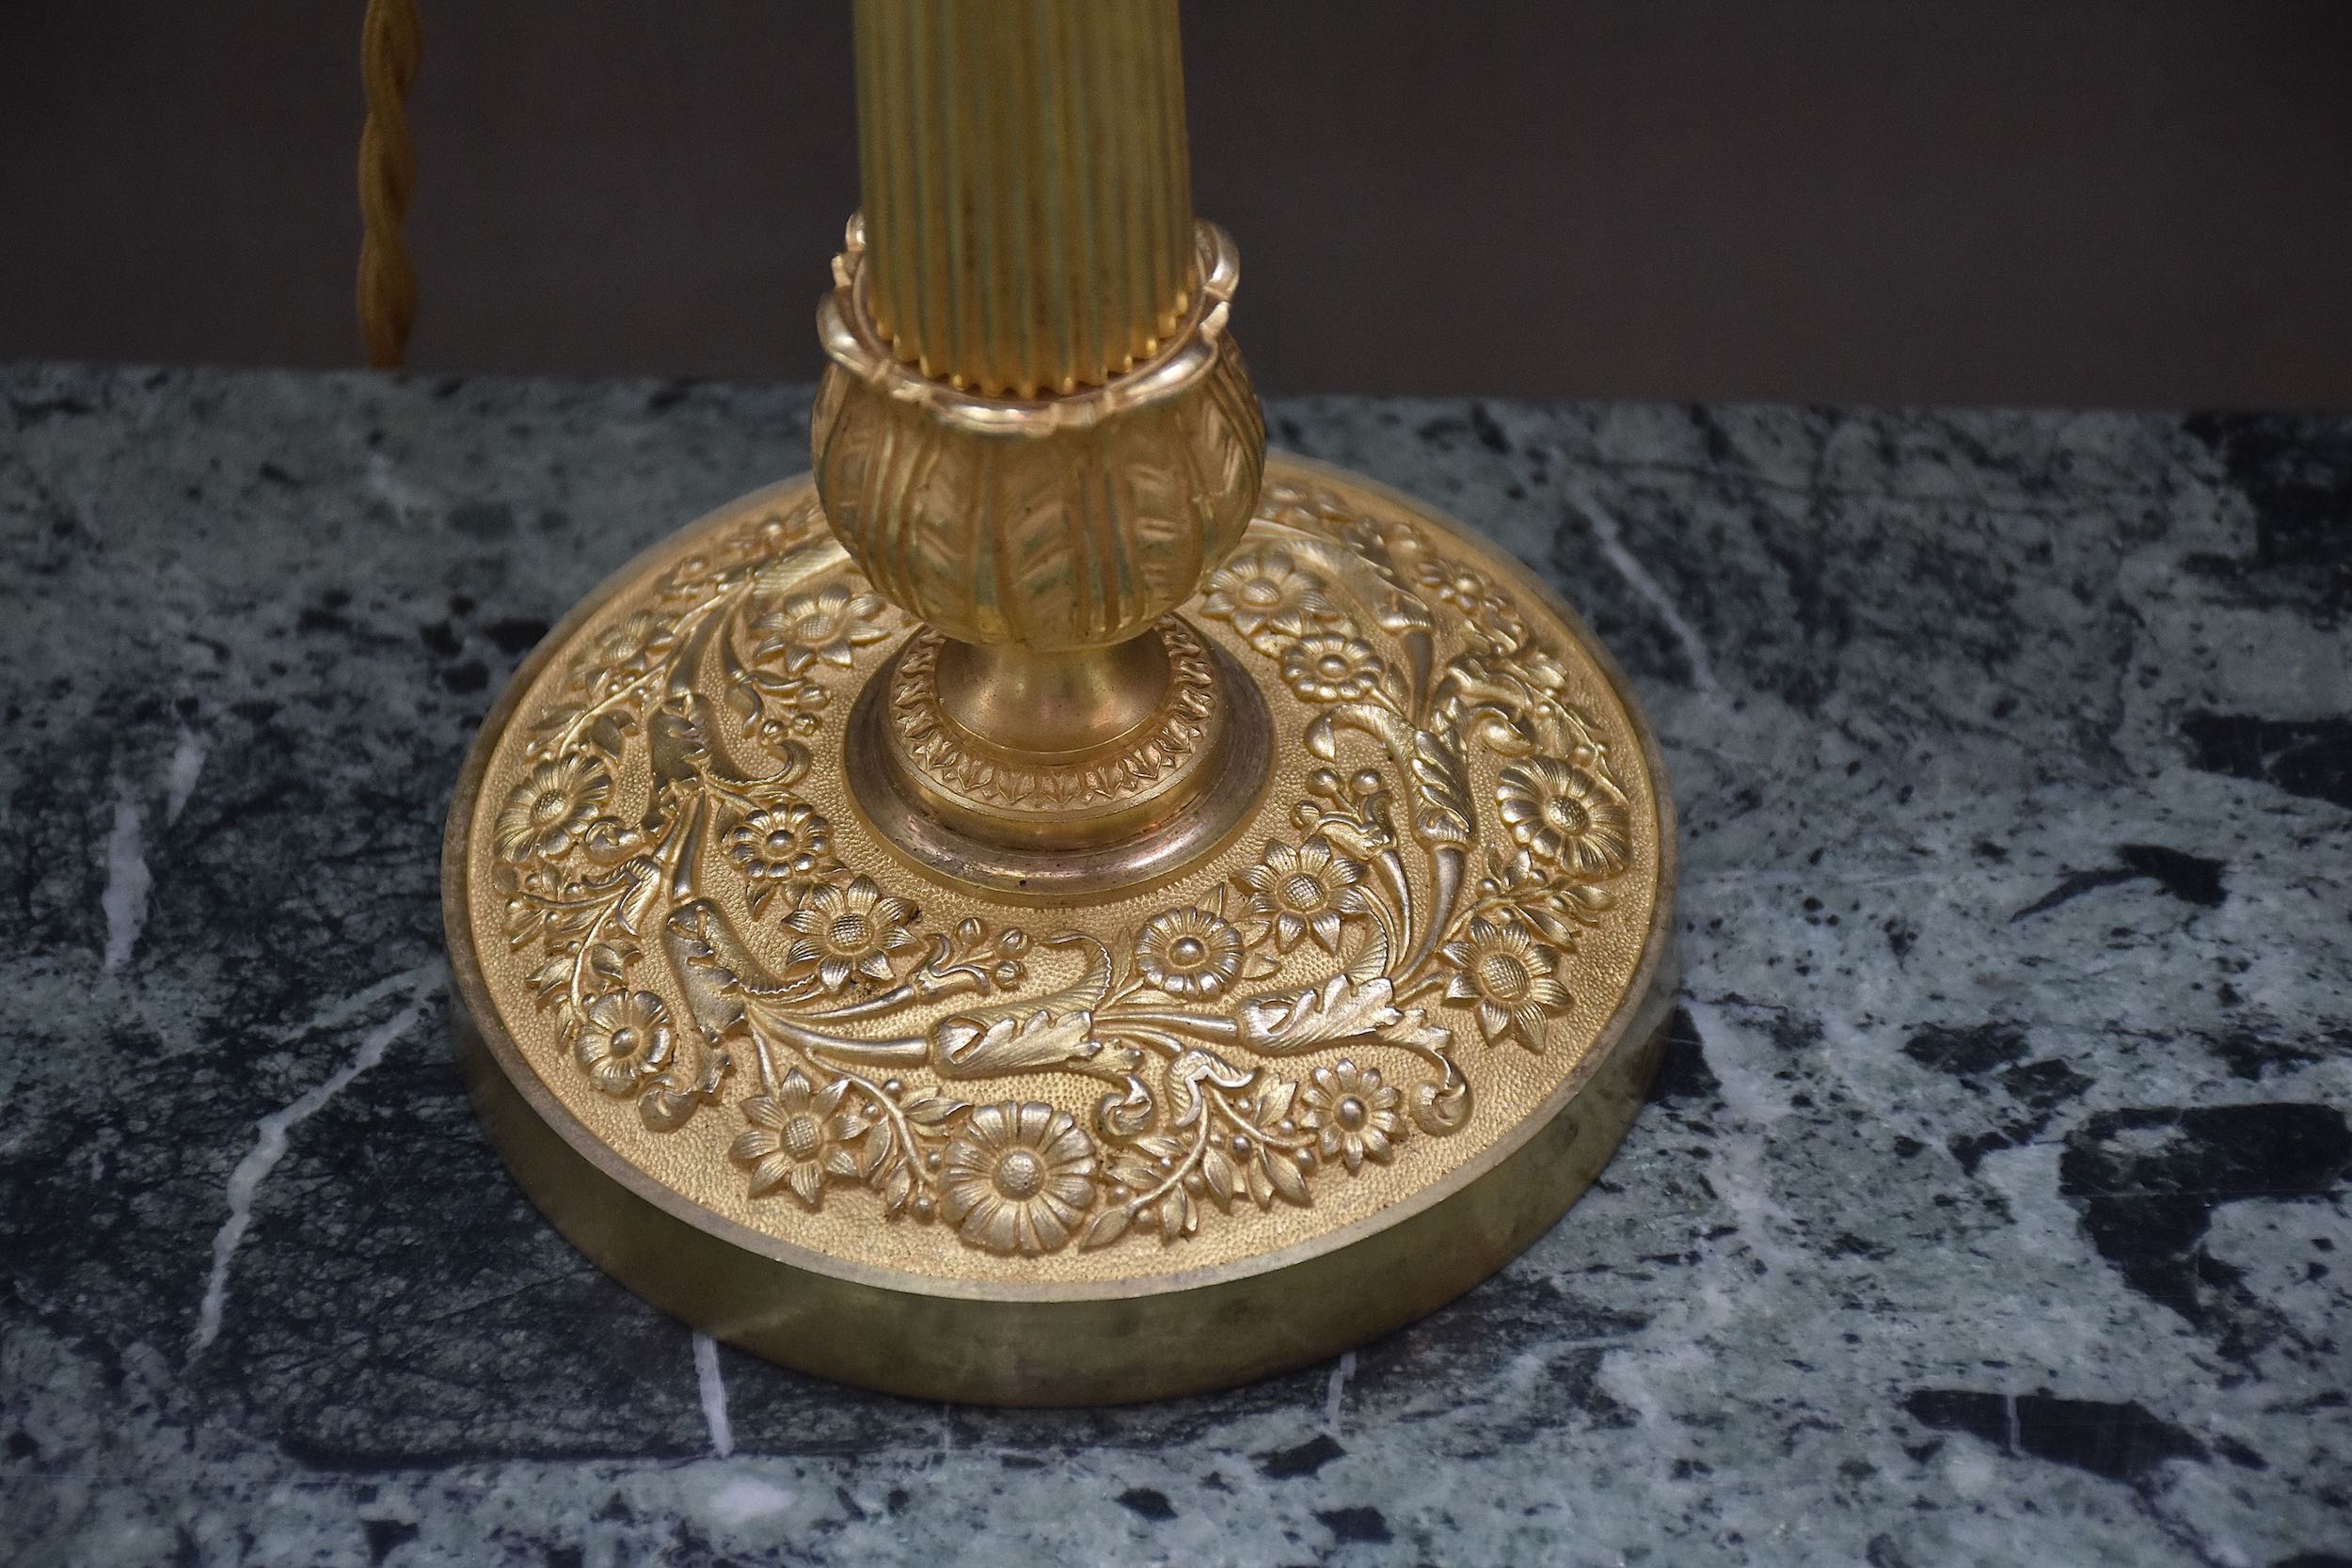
(2146, 201)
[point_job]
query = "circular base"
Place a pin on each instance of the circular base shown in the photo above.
(845, 1107)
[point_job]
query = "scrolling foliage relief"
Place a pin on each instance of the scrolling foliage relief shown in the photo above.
(1430, 914)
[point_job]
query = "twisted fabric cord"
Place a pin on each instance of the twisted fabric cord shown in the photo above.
(392, 44)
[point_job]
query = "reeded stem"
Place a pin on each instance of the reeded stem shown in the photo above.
(1027, 187)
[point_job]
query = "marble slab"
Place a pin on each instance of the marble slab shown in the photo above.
(1992, 1206)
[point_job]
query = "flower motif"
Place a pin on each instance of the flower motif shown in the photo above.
(1468, 591)
(775, 532)
(826, 624)
(1189, 953)
(550, 809)
(1264, 587)
(798, 1136)
(801, 703)
(1352, 1114)
(625, 1040)
(1462, 587)
(629, 648)
(1564, 815)
(1311, 888)
(1355, 812)
(848, 932)
(1017, 1178)
(1332, 667)
(772, 847)
(1513, 981)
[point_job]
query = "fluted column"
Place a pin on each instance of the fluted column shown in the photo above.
(1027, 187)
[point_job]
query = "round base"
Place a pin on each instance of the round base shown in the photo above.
(841, 1105)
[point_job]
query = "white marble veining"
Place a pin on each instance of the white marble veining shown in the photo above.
(1991, 1206)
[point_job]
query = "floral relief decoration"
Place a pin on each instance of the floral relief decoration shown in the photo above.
(1304, 1019)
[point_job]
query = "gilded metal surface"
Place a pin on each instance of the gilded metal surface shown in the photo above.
(1027, 187)
(1057, 790)
(1066, 523)
(683, 937)
(1043, 830)
(923, 953)
(1036, 436)
(1054, 704)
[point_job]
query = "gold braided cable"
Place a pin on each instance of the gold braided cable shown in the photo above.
(392, 44)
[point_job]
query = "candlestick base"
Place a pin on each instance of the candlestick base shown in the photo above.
(782, 1065)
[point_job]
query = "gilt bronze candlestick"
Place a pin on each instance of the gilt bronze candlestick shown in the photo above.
(1058, 905)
